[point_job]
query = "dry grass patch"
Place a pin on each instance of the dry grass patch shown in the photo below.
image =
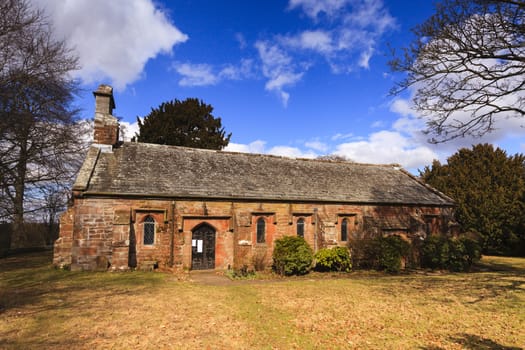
(44, 308)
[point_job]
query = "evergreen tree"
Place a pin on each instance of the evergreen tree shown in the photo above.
(188, 123)
(489, 189)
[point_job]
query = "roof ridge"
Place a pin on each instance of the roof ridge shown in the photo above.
(266, 155)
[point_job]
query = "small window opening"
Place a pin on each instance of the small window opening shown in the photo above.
(300, 227)
(149, 231)
(261, 230)
(344, 230)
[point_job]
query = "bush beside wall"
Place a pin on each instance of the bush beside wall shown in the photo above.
(392, 253)
(292, 256)
(454, 254)
(334, 259)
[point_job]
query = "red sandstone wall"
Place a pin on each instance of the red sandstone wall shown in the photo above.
(101, 233)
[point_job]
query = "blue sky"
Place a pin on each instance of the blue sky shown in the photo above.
(298, 78)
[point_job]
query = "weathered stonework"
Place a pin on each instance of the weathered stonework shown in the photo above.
(106, 128)
(150, 206)
(96, 236)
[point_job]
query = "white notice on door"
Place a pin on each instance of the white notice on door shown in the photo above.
(199, 246)
(193, 242)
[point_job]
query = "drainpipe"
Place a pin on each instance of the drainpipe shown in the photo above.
(316, 218)
(172, 235)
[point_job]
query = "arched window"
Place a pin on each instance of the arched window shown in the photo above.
(300, 227)
(344, 230)
(261, 230)
(149, 231)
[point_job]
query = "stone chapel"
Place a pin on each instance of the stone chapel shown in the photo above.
(139, 205)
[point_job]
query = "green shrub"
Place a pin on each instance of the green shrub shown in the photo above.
(434, 252)
(457, 260)
(364, 253)
(335, 259)
(381, 253)
(472, 250)
(392, 251)
(454, 254)
(292, 256)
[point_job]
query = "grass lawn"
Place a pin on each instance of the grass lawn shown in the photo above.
(44, 308)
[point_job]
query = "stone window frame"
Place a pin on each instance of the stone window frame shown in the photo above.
(344, 230)
(300, 220)
(260, 231)
(139, 216)
(148, 221)
(269, 218)
(351, 225)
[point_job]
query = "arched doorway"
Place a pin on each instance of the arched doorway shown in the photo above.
(203, 248)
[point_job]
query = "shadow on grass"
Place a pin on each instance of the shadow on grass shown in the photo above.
(497, 276)
(26, 260)
(499, 265)
(70, 343)
(474, 342)
(26, 279)
(31, 289)
(491, 279)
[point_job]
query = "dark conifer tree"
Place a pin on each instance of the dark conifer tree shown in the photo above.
(187, 123)
(489, 189)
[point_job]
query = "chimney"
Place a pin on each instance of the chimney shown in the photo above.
(106, 125)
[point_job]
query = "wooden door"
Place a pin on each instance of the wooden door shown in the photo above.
(203, 248)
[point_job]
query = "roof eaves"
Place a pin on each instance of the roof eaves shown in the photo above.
(254, 198)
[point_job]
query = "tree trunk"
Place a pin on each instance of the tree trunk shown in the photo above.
(18, 234)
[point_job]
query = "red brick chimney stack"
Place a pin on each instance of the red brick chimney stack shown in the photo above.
(106, 125)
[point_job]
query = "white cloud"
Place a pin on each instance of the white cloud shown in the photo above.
(317, 145)
(385, 147)
(128, 130)
(313, 8)
(245, 69)
(378, 124)
(340, 136)
(195, 74)
(114, 40)
(412, 124)
(293, 152)
(370, 14)
(364, 58)
(345, 37)
(403, 143)
(401, 106)
(253, 147)
(242, 41)
(259, 147)
(316, 40)
(282, 78)
(279, 68)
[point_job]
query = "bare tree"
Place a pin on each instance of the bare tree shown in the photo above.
(467, 67)
(39, 135)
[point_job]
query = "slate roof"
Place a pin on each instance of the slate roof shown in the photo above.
(140, 169)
